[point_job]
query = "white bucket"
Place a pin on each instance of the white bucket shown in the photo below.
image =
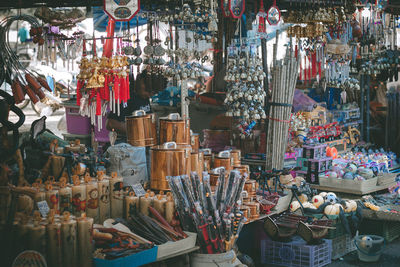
(227, 259)
(371, 253)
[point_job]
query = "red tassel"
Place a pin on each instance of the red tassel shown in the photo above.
(309, 69)
(108, 46)
(319, 69)
(78, 92)
(127, 87)
(314, 64)
(301, 70)
(98, 104)
(121, 88)
(107, 88)
(295, 51)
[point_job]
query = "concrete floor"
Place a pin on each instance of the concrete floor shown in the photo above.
(52, 122)
(389, 258)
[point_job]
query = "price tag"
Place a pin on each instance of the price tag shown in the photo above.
(139, 190)
(43, 208)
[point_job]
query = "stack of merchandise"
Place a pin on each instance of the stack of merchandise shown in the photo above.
(314, 162)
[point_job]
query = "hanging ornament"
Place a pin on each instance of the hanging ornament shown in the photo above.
(261, 18)
(236, 8)
(121, 10)
(273, 14)
(225, 8)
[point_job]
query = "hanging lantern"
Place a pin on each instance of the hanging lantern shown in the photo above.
(261, 18)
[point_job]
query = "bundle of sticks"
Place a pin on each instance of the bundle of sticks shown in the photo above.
(284, 77)
(215, 217)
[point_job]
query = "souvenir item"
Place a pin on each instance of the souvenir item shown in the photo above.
(273, 14)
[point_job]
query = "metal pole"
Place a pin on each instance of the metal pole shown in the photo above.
(362, 106)
(367, 87)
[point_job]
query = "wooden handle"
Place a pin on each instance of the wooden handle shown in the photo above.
(174, 116)
(169, 145)
(33, 97)
(139, 112)
(43, 83)
(32, 82)
(224, 154)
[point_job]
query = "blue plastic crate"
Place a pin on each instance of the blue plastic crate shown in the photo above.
(133, 260)
(296, 253)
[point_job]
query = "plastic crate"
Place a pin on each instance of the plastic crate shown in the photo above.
(296, 253)
(337, 232)
(389, 230)
(342, 245)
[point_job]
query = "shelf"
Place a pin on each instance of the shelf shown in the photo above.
(195, 248)
(351, 191)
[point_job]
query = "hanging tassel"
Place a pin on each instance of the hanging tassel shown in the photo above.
(78, 92)
(98, 104)
(108, 46)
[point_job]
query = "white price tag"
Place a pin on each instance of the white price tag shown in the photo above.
(43, 208)
(139, 190)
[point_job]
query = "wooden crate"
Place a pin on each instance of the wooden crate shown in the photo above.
(346, 184)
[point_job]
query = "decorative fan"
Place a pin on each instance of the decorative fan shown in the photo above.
(273, 14)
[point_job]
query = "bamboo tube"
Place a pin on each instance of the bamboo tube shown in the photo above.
(159, 204)
(117, 196)
(92, 193)
(37, 235)
(22, 234)
(169, 209)
(65, 194)
(131, 201)
(57, 163)
(54, 249)
(78, 196)
(145, 203)
(52, 198)
(104, 197)
(85, 228)
(40, 194)
(68, 241)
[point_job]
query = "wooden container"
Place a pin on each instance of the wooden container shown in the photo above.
(208, 159)
(197, 163)
(243, 169)
(168, 159)
(139, 130)
(195, 141)
(175, 129)
(223, 159)
(236, 156)
(131, 201)
(78, 197)
(250, 186)
(153, 124)
(214, 175)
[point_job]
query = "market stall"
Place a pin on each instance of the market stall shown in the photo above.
(198, 133)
